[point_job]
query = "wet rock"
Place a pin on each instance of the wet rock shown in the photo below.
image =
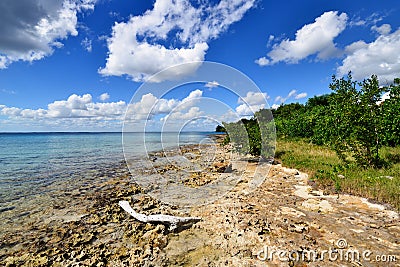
(7, 209)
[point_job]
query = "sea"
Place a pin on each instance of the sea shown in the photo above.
(37, 164)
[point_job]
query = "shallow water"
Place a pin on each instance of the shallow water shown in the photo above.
(36, 167)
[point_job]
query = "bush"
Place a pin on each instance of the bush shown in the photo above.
(352, 120)
(356, 120)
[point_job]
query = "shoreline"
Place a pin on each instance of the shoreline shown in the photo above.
(89, 228)
(30, 220)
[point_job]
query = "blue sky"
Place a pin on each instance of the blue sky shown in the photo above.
(69, 65)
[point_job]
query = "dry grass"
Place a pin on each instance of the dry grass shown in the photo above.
(325, 168)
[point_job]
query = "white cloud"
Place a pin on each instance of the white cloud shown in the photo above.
(149, 106)
(315, 38)
(383, 29)
(228, 116)
(192, 99)
(301, 95)
(190, 28)
(275, 106)
(372, 19)
(246, 110)
(251, 103)
(385, 96)
(355, 47)
(291, 94)
(32, 29)
(254, 98)
(10, 111)
(74, 107)
(212, 84)
(104, 97)
(145, 108)
(271, 38)
(87, 44)
(3, 62)
(262, 61)
(192, 113)
(380, 57)
(193, 95)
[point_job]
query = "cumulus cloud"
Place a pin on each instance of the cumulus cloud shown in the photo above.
(82, 112)
(380, 57)
(32, 29)
(315, 38)
(246, 110)
(363, 59)
(104, 97)
(149, 106)
(74, 107)
(275, 106)
(251, 103)
(143, 37)
(383, 29)
(192, 113)
(262, 61)
(254, 98)
(10, 111)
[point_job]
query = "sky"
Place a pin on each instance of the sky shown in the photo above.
(102, 65)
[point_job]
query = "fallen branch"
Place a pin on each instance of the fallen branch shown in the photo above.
(173, 221)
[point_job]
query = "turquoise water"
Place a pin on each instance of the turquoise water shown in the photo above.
(32, 163)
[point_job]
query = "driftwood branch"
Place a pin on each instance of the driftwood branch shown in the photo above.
(173, 221)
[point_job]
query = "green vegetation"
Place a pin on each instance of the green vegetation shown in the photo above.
(255, 136)
(348, 141)
(352, 120)
(327, 171)
(220, 129)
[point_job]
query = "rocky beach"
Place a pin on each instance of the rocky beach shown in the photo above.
(272, 216)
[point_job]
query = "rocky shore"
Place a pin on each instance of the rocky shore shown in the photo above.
(270, 212)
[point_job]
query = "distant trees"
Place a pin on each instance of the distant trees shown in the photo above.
(255, 136)
(352, 120)
(220, 129)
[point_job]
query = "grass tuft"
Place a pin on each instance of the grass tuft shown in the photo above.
(329, 173)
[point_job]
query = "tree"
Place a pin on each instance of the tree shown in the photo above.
(287, 120)
(318, 101)
(391, 115)
(255, 136)
(354, 127)
(220, 129)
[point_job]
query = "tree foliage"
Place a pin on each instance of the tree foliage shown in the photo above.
(353, 120)
(255, 136)
(220, 129)
(391, 115)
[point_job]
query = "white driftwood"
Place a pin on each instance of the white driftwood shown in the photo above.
(172, 221)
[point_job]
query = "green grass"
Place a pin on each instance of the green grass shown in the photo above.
(328, 172)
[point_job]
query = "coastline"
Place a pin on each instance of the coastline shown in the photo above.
(87, 227)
